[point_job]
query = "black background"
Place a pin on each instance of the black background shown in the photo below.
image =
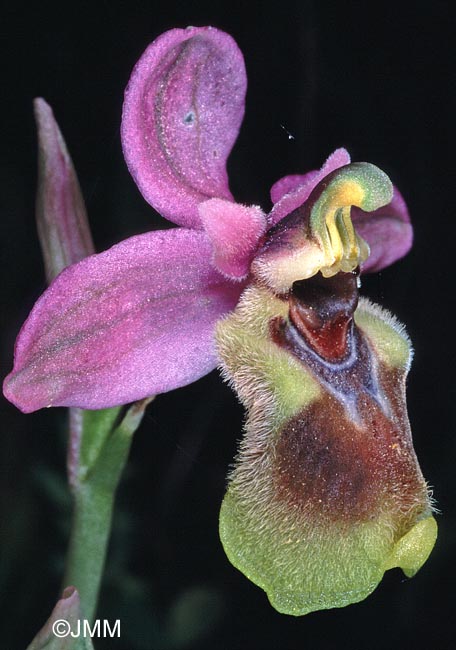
(374, 78)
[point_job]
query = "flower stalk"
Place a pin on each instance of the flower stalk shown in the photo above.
(105, 440)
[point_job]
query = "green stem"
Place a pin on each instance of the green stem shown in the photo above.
(91, 527)
(104, 446)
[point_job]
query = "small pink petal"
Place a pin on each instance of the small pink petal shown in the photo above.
(290, 192)
(234, 231)
(61, 216)
(182, 111)
(388, 232)
(133, 321)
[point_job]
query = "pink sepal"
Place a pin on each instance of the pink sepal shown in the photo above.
(182, 111)
(131, 322)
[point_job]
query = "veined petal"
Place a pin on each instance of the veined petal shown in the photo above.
(290, 192)
(388, 232)
(133, 321)
(234, 231)
(182, 111)
(61, 216)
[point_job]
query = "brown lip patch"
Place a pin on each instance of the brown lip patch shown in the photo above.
(331, 467)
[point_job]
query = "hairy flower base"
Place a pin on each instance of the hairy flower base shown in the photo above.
(304, 567)
(327, 493)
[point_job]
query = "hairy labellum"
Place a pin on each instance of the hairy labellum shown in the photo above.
(327, 492)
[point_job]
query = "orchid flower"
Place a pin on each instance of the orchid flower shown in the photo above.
(326, 493)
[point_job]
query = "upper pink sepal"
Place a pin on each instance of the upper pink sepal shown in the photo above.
(388, 232)
(292, 182)
(63, 227)
(131, 322)
(234, 231)
(182, 111)
(290, 192)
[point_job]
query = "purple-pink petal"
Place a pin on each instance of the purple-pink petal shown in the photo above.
(388, 232)
(290, 192)
(234, 231)
(133, 321)
(182, 111)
